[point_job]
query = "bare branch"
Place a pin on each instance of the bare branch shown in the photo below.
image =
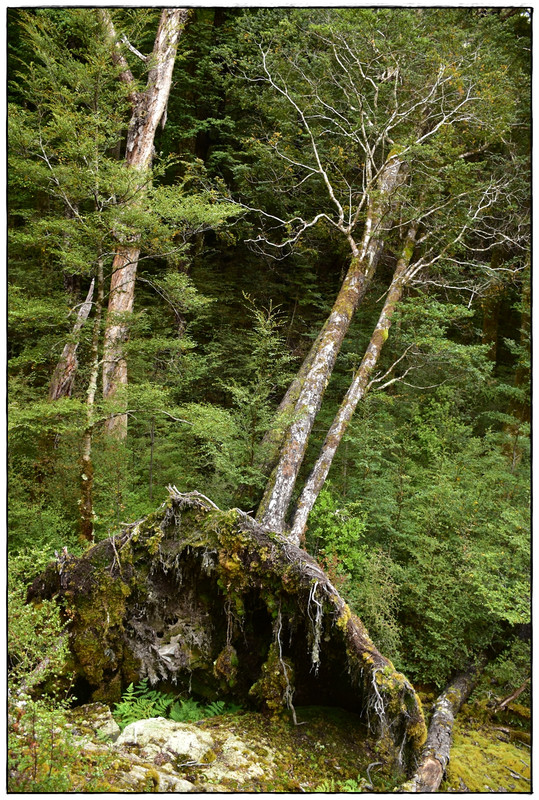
(392, 367)
(134, 50)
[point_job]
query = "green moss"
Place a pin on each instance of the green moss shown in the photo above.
(98, 625)
(226, 665)
(344, 618)
(276, 676)
(481, 762)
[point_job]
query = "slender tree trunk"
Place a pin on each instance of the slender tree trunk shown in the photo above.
(149, 109)
(64, 374)
(356, 392)
(87, 471)
(321, 359)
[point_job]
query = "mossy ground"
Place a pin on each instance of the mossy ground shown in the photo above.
(328, 745)
(481, 761)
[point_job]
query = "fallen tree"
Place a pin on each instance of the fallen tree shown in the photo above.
(435, 756)
(209, 601)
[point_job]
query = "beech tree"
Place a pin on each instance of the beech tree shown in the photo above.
(148, 110)
(398, 116)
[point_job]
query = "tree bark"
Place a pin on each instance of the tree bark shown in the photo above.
(87, 467)
(64, 375)
(357, 391)
(274, 504)
(149, 109)
(435, 755)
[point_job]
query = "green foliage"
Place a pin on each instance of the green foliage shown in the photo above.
(425, 525)
(36, 645)
(332, 786)
(509, 671)
(44, 758)
(447, 508)
(143, 702)
(368, 576)
(190, 710)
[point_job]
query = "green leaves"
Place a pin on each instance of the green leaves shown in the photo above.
(143, 702)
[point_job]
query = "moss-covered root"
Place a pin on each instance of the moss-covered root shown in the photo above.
(435, 755)
(209, 600)
(394, 710)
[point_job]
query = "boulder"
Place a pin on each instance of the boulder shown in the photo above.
(182, 742)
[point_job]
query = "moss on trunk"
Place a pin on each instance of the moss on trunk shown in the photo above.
(209, 601)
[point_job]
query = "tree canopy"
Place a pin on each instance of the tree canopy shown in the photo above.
(281, 256)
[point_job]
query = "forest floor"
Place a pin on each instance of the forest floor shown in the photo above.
(482, 760)
(327, 750)
(332, 752)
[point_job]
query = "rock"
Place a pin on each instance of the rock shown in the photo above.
(218, 759)
(183, 742)
(236, 754)
(140, 778)
(97, 718)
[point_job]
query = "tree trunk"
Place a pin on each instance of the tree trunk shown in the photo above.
(149, 108)
(87, 471)
(435, 755)
(64, 375)
(121, 300)
(356, 392)
(274, 504)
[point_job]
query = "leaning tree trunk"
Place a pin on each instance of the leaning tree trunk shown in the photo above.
(357, 391)
(209, 601)
(149, 108)
(64, 374)
(274, 505)
(435, 756)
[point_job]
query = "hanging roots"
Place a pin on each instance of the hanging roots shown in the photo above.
(377, 702)
(288, 692)
(317, 626)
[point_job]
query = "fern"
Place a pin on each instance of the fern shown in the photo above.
(187, 711)
(143, 702)
(215, 708)
(352, 786)
(327, 786)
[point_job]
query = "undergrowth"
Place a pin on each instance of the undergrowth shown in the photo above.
(143, 702)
